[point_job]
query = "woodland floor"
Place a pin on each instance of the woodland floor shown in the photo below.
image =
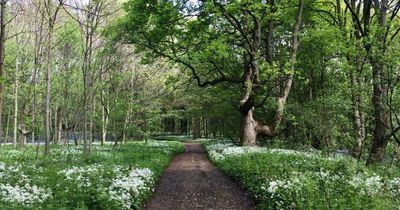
(192, 182)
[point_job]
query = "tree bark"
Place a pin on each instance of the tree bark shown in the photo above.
(126, 121)
(48, 95)
(104, 120)
(38, 50)
(2, 49)
(358, 116)
(7, 126)
(24, 133)
(58, 125)
(51, 18)
(248, 133)
(381, 111)
(16, 90)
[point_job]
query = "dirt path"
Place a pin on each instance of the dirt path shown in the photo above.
(192, 182)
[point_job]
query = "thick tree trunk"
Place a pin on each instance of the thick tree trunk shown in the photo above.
(248, 133)
(379, 97)
(23, 132)
(249, 127)
(380, 138)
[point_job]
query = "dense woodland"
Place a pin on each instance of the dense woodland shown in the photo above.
(137, 104)
(321, 74)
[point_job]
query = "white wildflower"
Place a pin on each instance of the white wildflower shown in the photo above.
(25, 195)
(125, 189)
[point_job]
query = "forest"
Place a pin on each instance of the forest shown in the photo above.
(111, 104)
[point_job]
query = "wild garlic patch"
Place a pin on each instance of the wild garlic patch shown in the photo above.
(290, 179)
(125, 188)
(25, 194)
(109, 177)
(17, 187)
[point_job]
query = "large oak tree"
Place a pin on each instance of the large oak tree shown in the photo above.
(234, 42)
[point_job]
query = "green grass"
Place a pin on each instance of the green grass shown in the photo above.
(74, 180)
(285, 179)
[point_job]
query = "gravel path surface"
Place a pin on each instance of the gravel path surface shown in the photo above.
(192, 182)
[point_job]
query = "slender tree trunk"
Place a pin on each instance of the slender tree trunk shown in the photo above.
(126, 121)
(358, 117)
(34, 115)
(51, 21)
(57, 125)
(16, 87)
(104, 120)
(145, 126)
(68, 132)
(2, 72)
(55, 140)
(85, 102)
(91, 124)
(87, 86)
(37, 66)
(48, 95)
(7, 126)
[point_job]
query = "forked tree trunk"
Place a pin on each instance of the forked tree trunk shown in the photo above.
(249, 127)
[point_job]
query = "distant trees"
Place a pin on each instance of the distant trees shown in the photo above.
(59, 64)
